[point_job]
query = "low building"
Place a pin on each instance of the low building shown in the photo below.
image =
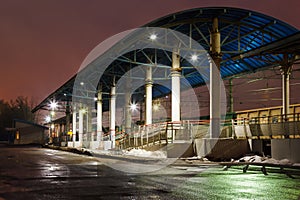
(29, 133)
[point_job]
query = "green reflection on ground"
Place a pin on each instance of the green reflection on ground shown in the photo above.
(234, 184)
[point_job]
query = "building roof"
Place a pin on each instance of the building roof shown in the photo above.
(28, 123)
(242, 32)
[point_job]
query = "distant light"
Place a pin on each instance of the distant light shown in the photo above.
(153, 37)
(53, 104)
(47, 119)
(52, 113)
(95, 98)
(194, 57)
(65, 94)
(167, 97)
(133, 106)
(81, 83)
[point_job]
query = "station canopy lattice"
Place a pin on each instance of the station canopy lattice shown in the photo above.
(249, 41)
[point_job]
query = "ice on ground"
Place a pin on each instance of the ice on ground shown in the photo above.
(145, 154)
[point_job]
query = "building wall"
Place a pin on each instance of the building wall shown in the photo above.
(30, 134)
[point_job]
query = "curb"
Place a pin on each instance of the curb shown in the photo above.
(69, 149)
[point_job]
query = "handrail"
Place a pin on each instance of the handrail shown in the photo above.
(271, 119)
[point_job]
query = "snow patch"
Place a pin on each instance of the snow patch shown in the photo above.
(145, 154)
(252, 159)
(259, 159)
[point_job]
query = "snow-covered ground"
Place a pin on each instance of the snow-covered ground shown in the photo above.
(141, 153)
(133, 152)
(145, 154)
(259, 159)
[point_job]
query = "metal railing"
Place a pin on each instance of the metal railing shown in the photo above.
(276, 126)
(169, 132)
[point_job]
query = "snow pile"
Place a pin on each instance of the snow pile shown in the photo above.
(254, 158)
(145, 154)
(259, 159)
(278, 162)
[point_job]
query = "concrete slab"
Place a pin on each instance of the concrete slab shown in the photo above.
(221, 149)
(286, 149)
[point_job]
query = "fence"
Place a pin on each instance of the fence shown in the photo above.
(277, 126)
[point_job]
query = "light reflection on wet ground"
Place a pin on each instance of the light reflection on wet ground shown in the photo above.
(36, 173)
(234, 184)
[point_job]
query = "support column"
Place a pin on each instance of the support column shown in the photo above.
(148, 81)
(230, 96)
(89, 125)
(80, 126)
(215, 90)
(60, 130)
(175, 74)
(127, 112)
(74, 127)
(286, 71)
(113, 116)
(99, 116)
(285, 94)
(68, 117)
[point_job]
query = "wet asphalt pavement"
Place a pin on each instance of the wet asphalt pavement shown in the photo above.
(40, 173)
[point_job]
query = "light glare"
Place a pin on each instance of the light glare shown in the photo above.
(194, 57)
(47, 119)
(53, 104)
(133, 107)
(153, 37)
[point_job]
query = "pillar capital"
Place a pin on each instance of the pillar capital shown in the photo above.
(178, 69)
(148, 82)
(113, 91)
(175, 72)
(286, 69)
(99, 97)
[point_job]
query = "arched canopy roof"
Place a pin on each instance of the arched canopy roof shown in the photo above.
(242, 31)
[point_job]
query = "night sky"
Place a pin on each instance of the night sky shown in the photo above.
(43, 42)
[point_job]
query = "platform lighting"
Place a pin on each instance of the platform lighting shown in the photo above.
(153, 37)
(155, 107)
(194, 57)
(133, 106)
(83, 110)
(95, 98)
(47, 119)
(53, 104)
(52, 113)
(81, 83)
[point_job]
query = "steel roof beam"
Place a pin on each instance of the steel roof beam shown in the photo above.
(271, 47)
